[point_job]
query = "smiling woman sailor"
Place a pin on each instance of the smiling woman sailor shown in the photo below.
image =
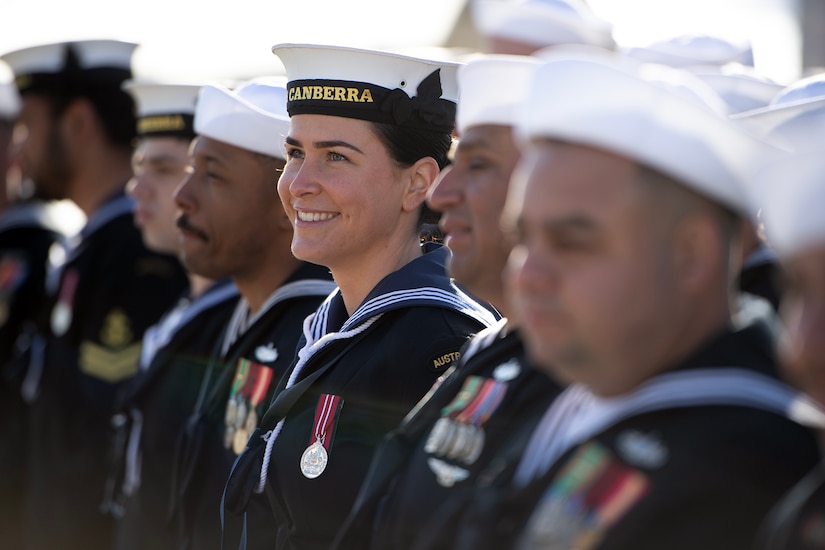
(368, 136)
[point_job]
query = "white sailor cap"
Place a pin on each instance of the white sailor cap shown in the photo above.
(67, 68)
(164, 109)
(542, 22)
(694, 50)
(795, 117)
(370, 85)
(664, 118)
(790, 193)
(9, 98)
(252, 117)
(482, 100)
(741, 88)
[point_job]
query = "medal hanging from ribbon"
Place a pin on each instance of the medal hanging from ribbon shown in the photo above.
(315, 458)
(62, 313)
(249, 387)
(459, 433)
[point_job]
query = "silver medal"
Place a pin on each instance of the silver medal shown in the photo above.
(228, 437)
(476, 445)
(314, 460)
(435, 441)
(240, 417)
(231, 412)
(61, 318)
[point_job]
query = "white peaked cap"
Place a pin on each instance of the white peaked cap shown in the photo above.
(795, 117)
(664, 118)
(252, 117)
(164, 108)
(741, 90)
(9, 98)
(790, 193)
(49, 59)
(492, 88)
(694, 50)
(155, 98)
(542, 22)
(370, 85)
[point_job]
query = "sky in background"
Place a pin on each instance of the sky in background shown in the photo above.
(230, 38)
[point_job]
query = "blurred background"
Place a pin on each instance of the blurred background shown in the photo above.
(205, 39)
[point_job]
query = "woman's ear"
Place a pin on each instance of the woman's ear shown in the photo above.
(421, 177)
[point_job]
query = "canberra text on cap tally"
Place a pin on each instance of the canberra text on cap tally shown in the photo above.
(370, 85)
(542, 22)
(164, 109)
(664, 118)
(481, 100)
(69, 68)
(252, 117)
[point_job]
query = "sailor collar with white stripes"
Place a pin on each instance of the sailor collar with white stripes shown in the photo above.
(422, 281)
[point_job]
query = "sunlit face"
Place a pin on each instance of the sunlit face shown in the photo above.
(589, 277)
(803, 312)
(41, 149)
(343, 193)
(159, 165)
(229, 210)
(470, 195)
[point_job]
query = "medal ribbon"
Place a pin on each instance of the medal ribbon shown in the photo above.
(485, 402)
(251, 380)
(325, 414)
(69, 286)
(263, 376)
(240, 378)
(468, 391)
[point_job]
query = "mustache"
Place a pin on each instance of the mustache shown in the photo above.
(183, 224)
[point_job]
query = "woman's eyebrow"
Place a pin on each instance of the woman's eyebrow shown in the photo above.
(325, 144)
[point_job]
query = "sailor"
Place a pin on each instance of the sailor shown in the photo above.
(154, 405)
(29, 226)
(419, 473)
(233, 226)
(369, 133)
(105, 286)
(626, 218)
(789, 194)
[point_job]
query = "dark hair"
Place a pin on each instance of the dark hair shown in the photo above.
(114, 107)
(407, 145)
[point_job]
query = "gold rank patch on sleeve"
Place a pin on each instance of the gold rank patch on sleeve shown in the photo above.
(116, 357)
(110, 365)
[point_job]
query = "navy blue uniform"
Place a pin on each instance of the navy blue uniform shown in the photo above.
(111, 288)
(693, 458)
(354, 380)
(27, 231)
(797, 522)
(205, 450)
(441, 447)
(153, 410)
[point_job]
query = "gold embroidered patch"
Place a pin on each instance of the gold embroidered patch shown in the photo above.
(107, 364)
(116, 331)
(446, 359)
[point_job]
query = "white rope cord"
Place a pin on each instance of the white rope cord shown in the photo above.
(304, 354)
